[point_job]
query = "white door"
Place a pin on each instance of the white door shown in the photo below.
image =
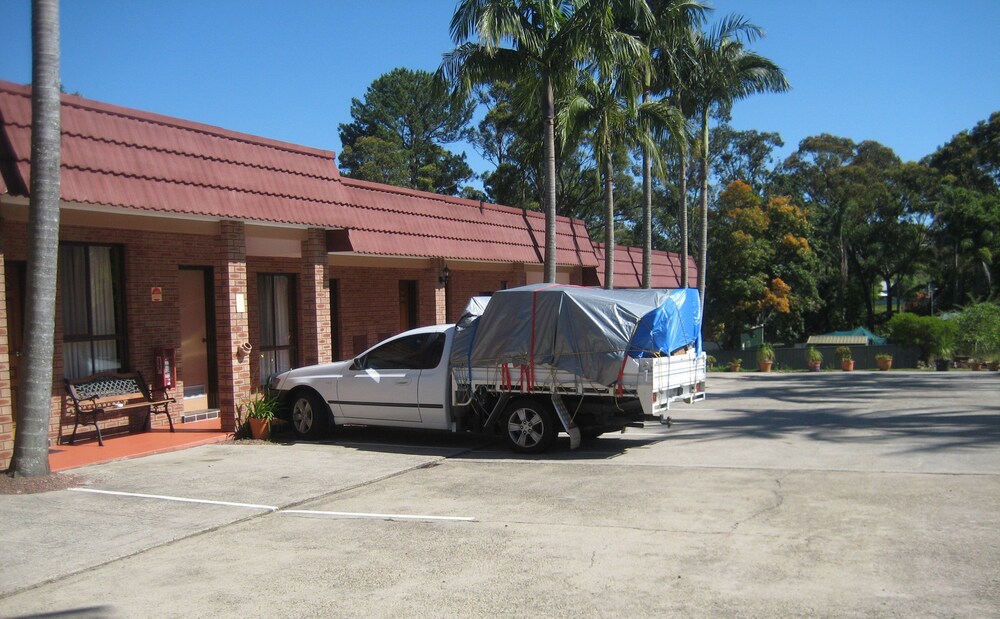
(383, 384)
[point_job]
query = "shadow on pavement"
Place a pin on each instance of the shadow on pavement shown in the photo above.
(953, 411)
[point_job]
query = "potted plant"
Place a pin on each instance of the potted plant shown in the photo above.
(259, 411)
(765, 357)
(884, 361)
(814, 359)
(734, 364)
(942, 359)
(846, 359)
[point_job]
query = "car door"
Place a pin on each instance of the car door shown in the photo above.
(381, 386)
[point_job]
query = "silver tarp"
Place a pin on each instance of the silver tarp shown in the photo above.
(586, 331)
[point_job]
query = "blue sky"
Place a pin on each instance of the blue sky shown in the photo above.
(906, 73)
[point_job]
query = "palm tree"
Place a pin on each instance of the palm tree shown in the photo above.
(725, 72)
(31, 445)
(537, 52)
(607, 108)
(665, 41)
(541, 42)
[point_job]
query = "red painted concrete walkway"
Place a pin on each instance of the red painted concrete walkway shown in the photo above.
(158, 440)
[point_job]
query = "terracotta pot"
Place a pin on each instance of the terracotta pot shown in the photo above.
(765, 366)
(814, 366)
(847, 365)
(260, 428)
(884, 364)
(734, 367)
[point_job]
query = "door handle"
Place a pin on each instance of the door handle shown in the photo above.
(403, 381)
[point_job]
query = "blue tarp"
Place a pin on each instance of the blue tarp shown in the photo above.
(676, 323)
(586, 331)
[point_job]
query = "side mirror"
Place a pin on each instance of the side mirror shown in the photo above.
(359, 364)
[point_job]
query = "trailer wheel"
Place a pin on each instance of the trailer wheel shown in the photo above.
(528, 426)
(310, 415)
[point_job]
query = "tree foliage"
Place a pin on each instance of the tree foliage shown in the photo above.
(399, 130)
(768, 277)
(977, 331)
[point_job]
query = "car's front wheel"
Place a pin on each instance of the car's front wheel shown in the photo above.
(310, 415)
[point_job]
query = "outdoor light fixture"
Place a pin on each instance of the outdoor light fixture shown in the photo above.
(444, 277)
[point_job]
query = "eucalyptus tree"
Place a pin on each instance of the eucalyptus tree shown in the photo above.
(31, 445)
(541, 43)
(725, 71)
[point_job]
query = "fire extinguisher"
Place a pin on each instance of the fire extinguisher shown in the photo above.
(166, 368)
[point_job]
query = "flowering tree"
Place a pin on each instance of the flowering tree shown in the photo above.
(769, 277)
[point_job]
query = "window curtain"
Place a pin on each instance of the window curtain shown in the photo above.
(87, 276)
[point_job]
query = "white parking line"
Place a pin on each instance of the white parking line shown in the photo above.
(377, 516)
(271, 508)
(175, 498)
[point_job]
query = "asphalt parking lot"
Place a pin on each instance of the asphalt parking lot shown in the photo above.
(830, 494)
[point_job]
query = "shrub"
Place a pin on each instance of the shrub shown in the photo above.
(977, 330)
(844, 353)
(931, 334)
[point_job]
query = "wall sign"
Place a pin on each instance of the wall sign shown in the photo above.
(156, 294)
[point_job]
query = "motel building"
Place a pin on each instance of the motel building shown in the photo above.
(211, 259)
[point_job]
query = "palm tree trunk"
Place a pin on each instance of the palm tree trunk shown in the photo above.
(647, 213)
(683, 216)
(549, 137)
(31, 446)
(703, 250)
(609, 223)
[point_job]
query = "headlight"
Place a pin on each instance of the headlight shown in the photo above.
(275, 382)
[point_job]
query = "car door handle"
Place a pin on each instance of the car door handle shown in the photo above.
(403, 381)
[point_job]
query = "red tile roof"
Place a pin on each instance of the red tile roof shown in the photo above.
(628, 268)
(120, 157)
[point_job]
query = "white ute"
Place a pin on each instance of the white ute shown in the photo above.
(418, 379)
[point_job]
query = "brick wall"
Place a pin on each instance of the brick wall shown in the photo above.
(6, 409)
(233, 325)
(463, 285)
(153, 261)
(369, 309)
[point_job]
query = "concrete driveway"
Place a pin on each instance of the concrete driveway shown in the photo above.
(830, 494)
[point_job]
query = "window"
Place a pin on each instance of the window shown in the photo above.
(93, 314)
(277, 324)
(414, 352)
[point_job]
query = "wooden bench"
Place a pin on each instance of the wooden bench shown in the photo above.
(109, 392)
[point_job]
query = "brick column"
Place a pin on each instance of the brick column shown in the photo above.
(440, 296)
(233, 325)
(316, 335)
(6, 404)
